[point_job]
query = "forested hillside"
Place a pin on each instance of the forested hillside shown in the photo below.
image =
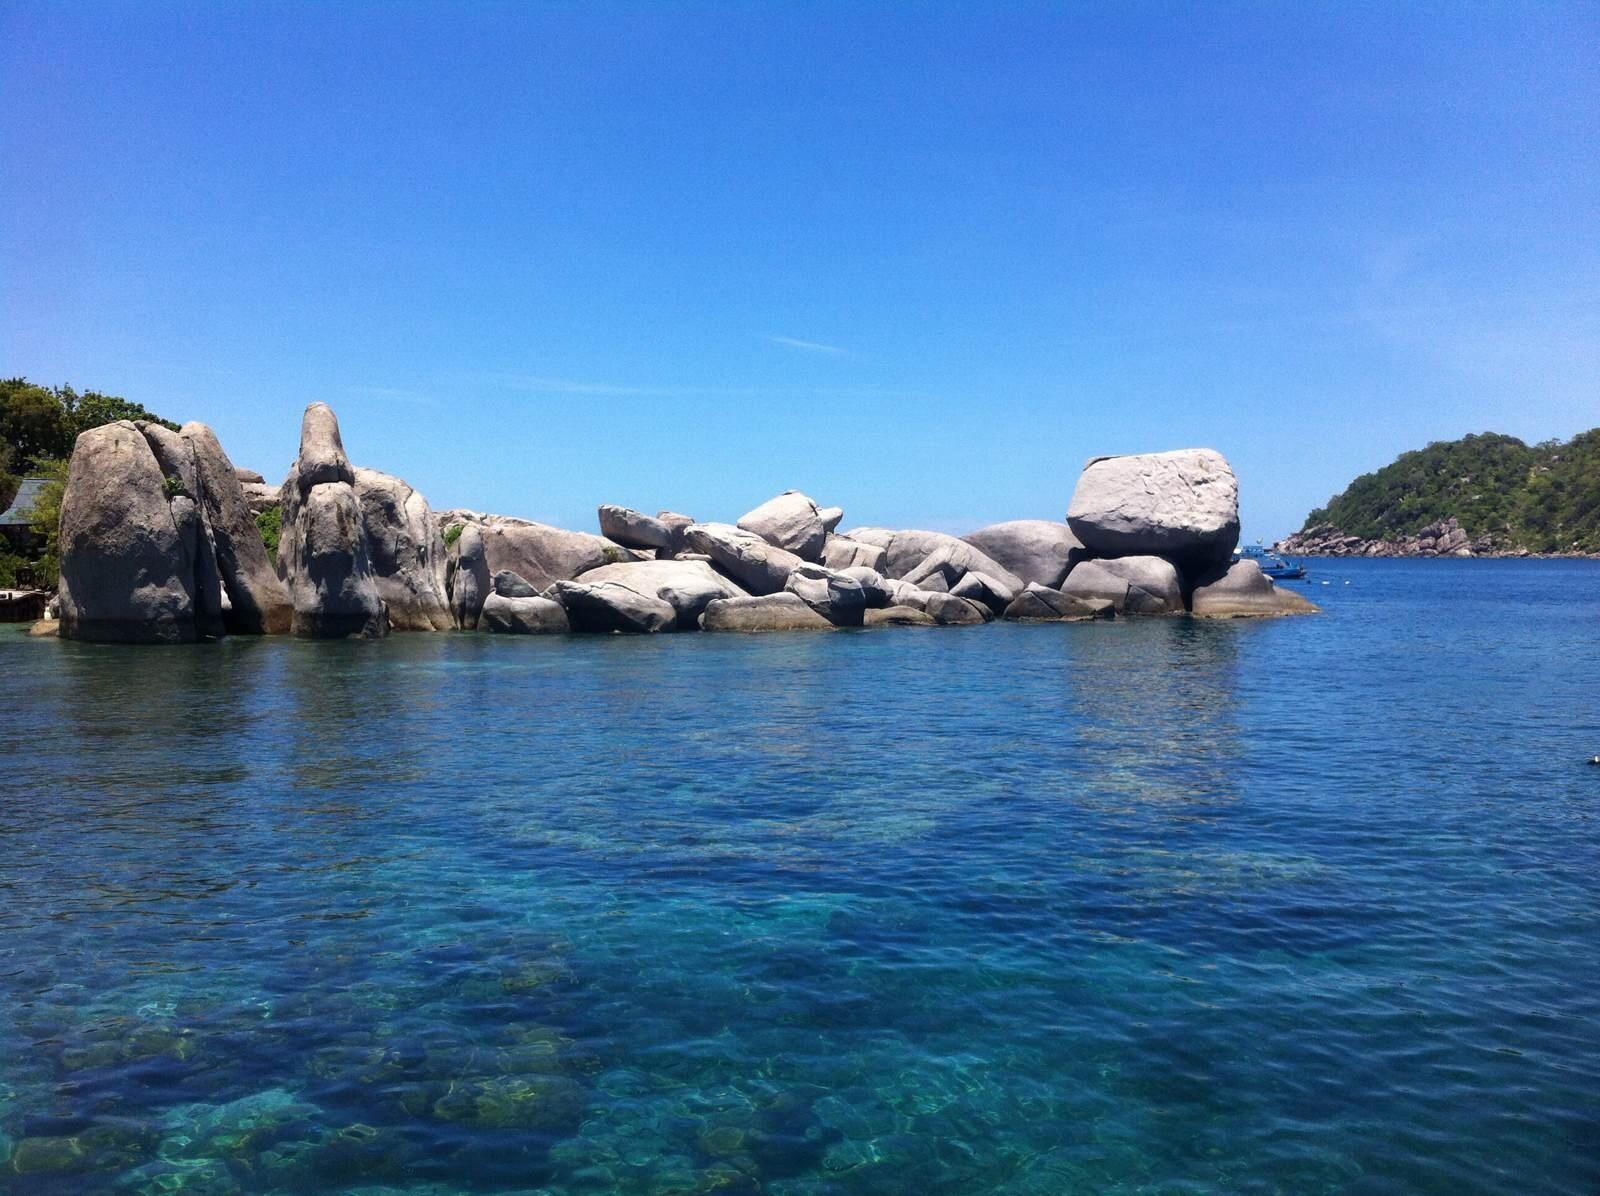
(1541, 498)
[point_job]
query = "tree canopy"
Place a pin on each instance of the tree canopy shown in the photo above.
(40, 423)
(1543, 497)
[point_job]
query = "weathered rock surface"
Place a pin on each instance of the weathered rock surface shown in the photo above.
(512, 585)
(260, 497)
(764, 612)
(790, 521)
(633, 529)
(406, 551)
(1241, 590)
(841, 552)
(837, 597)
(1135, 585)
(948, 610)
(610, 607)
(1182, 505)
(874, 585)
(687, 586)
(984, 590)
(1445, 537)
(323, 555)
(1038, 604)
(1035, 550)
(468, 578)
(523, 615)
(898, 616)
(258, 603)
(757, 565)
(130, 566)
(831, 517)
(905, 550)
(676, 524)
(246, 475)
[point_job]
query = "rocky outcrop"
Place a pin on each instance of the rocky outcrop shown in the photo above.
(633, 529)
(905, 551)
(791, 522)
(1036, 551)
(1442, 538)
(137, 565)
(676, 524)
(763, 612)
(247, 475)
(467, 577)
(258, 496)
(323, 554)
(984, 590)
(525, 615)
(1241, 590)
(1041, 604)
(539, 553)
(406, 552)
(687, 586)
(609, 607)
(898, 616)
(1182, 505)
(1135, 585)
(841, 552)
(756, 564)
(837, 597)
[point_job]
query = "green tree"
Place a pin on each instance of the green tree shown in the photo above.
(45, 518)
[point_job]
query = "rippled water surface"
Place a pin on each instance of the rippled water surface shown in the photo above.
(1301, 906)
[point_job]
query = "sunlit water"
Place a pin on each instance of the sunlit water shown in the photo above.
(1300, 906)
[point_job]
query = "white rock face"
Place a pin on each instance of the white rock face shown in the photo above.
(687, 586)
(1135, 585)
(1182, 504)
(791, 522)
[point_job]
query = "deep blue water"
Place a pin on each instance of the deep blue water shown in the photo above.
(1300, 906)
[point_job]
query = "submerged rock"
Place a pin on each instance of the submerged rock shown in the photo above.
(1241, 590)
(1182, 504)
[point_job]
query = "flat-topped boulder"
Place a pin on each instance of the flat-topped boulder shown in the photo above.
(791, 522)
(1182, 505)
(1241, 590)
(1036, 551)
(406, 551)
(633, 529)
(687, 586)
(1135, 585)
(763, 612)
(756, 564)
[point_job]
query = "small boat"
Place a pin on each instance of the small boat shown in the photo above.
(1273, 565)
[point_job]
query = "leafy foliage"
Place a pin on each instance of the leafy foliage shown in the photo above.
(270, 524)
(453, 533)
(1544, 497)
(45, 518)
(40, 423)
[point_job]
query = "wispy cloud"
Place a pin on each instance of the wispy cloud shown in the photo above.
(791, 342)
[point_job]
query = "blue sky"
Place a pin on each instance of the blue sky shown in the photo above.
(917, 260)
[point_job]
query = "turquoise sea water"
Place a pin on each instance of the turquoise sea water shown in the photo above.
(1304, 906)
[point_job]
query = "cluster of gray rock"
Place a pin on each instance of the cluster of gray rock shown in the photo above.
(1444, 537)
(159, 543)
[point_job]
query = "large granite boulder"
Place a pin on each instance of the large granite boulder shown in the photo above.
(608, 607)
(949, 611)
(524, 615)
(837, 597)
(1037, 551)
(905, 550)
(764, 612)
(984, 590)
(1241, 590)
(323, 555)
(633, 529)
(1183, 505)
(831, 517)
(406, 551)
(258, 603)
(688, 586)
(136, 562)
(791, 522)
(468, 578)
(757, 565)
(876, 587)
(676, 524)
(841, 552)
(1040, 604)
(1134, 585)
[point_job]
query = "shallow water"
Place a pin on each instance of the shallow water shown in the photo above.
(1300, 906)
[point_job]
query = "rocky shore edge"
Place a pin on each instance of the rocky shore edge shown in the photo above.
(1444, 537)
(159, 544)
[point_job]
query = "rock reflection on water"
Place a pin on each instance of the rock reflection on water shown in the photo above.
(1008, 909)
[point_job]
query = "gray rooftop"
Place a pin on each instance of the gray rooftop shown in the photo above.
(17, 514)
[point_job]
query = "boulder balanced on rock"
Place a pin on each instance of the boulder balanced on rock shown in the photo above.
(1182, 505)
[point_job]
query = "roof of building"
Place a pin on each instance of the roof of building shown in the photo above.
(20, 511)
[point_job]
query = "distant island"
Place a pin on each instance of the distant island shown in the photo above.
(1482, 495)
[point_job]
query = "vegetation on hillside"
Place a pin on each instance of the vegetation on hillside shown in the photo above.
(1543, 497)
(38, 426)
